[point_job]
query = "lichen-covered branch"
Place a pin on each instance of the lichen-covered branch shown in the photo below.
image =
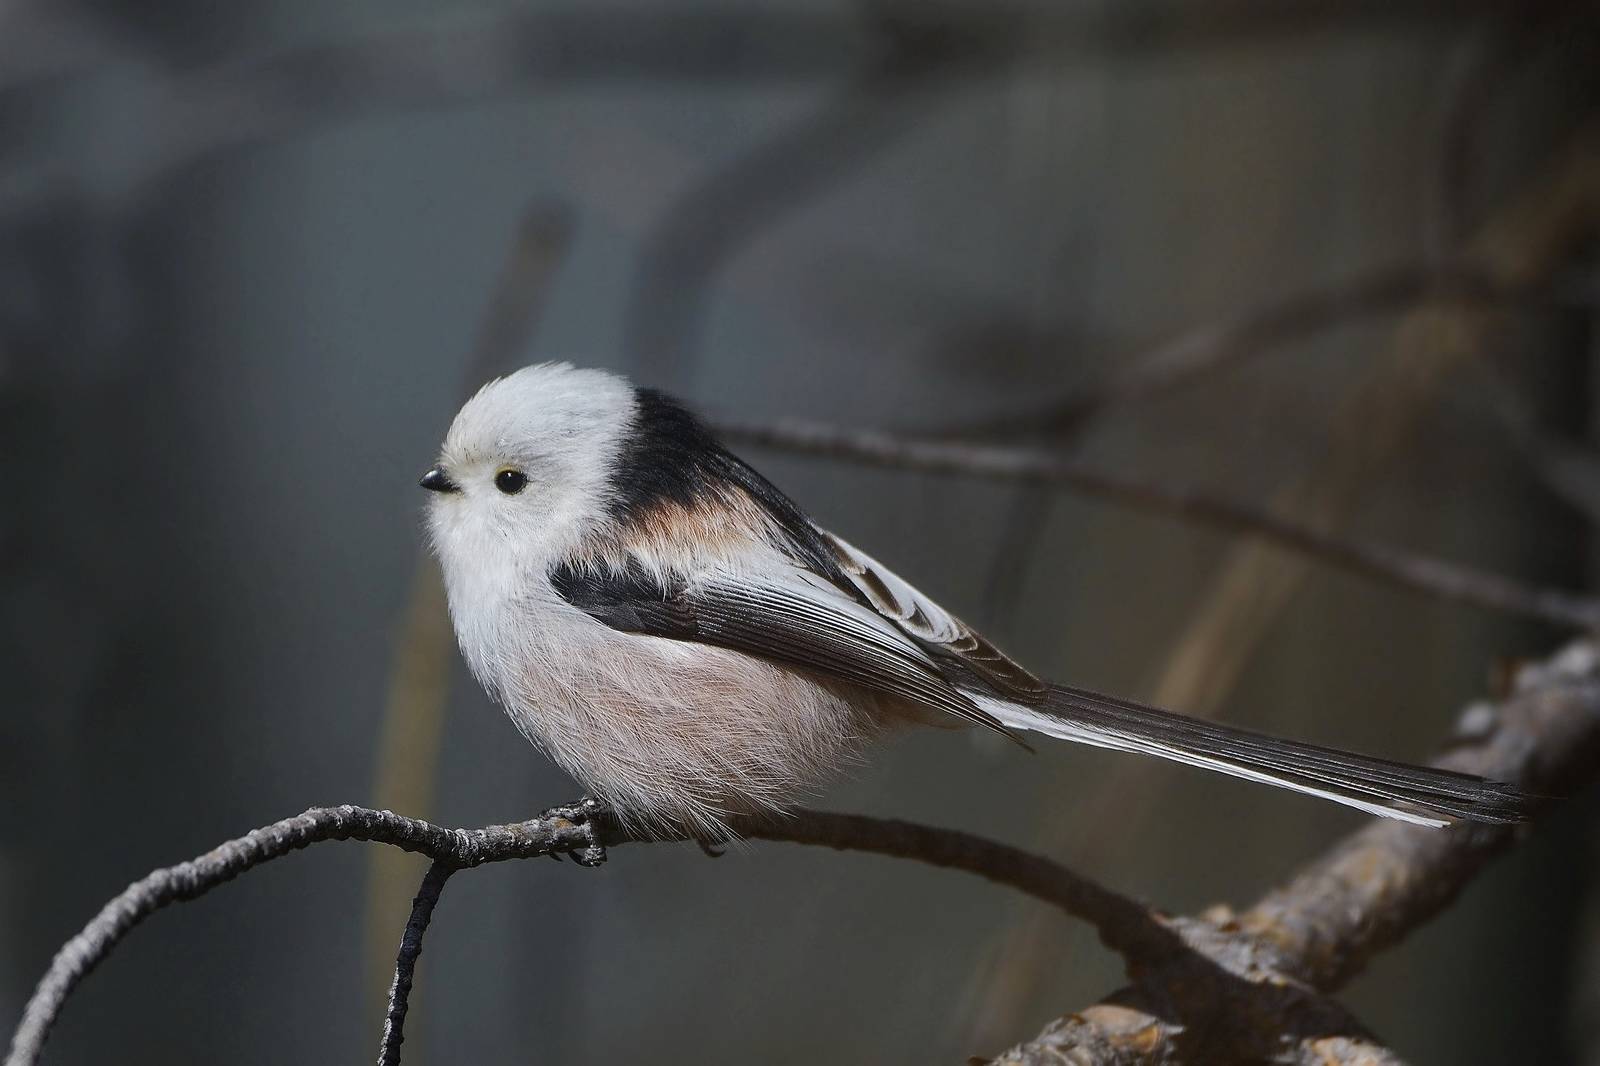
(1254, 985)
(1380, 883)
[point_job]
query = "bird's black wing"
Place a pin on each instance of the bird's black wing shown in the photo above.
(964, 654)
(792, 617)
(670, 456)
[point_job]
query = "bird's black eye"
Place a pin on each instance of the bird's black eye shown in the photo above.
(510, 481)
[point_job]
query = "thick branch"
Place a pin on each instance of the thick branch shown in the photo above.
(1255, 984)
(1421, 573)
(1383, 881)
(582, 831)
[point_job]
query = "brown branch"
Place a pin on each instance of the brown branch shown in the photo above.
(1249, 981)
(582, 831)
(1381, 882)
(1421, 573)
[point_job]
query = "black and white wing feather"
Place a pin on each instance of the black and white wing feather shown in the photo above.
(794, 617)
(935, 628)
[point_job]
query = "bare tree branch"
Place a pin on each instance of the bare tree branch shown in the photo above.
(1569, 468)
(1421, 573)
(1371, 890)
(1238, 987)
(1221, 345)
(583, 831)
(1310, 936)
(192, 879)
(1123, 925)
(405, 962)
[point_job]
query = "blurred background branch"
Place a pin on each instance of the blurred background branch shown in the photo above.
(1524, 244)
(1420, 573)
(1221, 346)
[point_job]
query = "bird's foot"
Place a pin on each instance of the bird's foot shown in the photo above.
(586, 815)
(712, 851)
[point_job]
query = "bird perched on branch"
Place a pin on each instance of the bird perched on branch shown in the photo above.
(681, 638)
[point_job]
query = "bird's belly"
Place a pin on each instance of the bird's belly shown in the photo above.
(678, 735)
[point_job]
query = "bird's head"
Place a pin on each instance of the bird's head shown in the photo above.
(525, 470)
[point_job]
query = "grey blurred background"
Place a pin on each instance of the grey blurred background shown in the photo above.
(251, 257)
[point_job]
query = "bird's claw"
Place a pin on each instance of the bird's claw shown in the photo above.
(584, 814)
(589, 857)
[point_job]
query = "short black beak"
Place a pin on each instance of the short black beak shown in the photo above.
(436, 480)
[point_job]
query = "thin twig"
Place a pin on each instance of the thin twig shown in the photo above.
(405, 961)
(192, 879)
(583, 831)
(1123, 925)
(1569, 468)
(1023, 527)
(1421, 573)
(1221, 345)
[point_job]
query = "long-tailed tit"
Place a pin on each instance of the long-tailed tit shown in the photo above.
(680, 637)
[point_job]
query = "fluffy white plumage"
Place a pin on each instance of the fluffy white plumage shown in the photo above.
(673, 735)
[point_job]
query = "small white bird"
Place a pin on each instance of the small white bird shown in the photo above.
(680, 637)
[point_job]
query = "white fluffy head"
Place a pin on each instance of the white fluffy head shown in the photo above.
(557, 426)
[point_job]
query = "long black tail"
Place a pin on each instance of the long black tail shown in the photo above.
(1419, 794)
